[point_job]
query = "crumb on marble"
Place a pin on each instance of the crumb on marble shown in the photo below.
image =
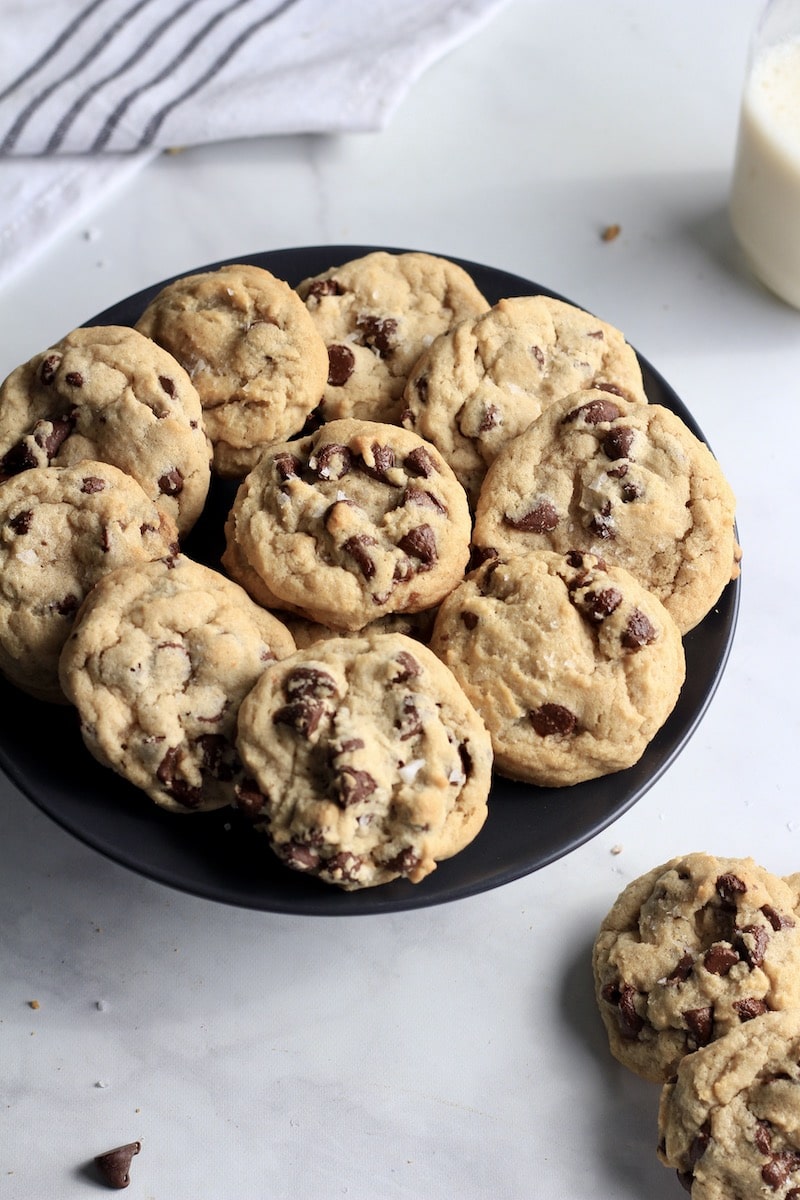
(611, 232)
(34, 1004)
(616, 849)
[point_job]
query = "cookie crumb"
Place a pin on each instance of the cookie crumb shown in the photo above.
(616, 849)
(34, 1004)
(100, 1005)
(101, 1083)
(610, 232)
(114, 1165)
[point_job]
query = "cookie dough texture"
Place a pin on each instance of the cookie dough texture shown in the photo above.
(691, 950)
(158, 662)
(482, 382)
(376, 315)
(109, 394)
(252, 351)
(730, 1123)
(627, 481)
(348, 524)
(61, 530)
(572, 665)
(368, 761)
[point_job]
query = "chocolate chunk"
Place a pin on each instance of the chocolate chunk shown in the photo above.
(470, 619)
(541, 519)
(553, 720)
(344, 865)
(405, 862)
(351, 786)
(19, 458)
(699, 1143)
(630, 1022)
(700, 1022)
(421, 388)
(287, 466)
(303, 716)
(762, 1136)
(48, 368)
(466, 759)
(491, 418)
(728, 887)
(777, 1171)
(409, 667)
(59, 430)
(167, 384)
(382, 461)
(302, 682)
(355, 546)
(603, 603)
(341, 364)
(720, 958)
(92, 484)
(753, 941)
(249, 798)
(74, 379)
(325, 287)
(67, 606)
(630, 492)
(639, 631)
(115, 1165)
(409, 722)
(167, 774)
(749, 1008)
(421, 543)
(219, 758)
(331, 461)
(300, 856)
(601, 524)
(378, 333)
(422, 498)
(420, 462)
(617, 442)
(595, 412)
(777, 920)
(21, 523)
(171, 483)
(610, 387)
(682, 969)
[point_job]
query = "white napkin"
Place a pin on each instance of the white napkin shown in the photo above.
(89, 91)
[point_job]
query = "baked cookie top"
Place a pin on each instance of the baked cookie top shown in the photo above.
(62, 529)
(627, 481)
(347, 524)
(158, 661)
(376, 315)
(690, 950)
(109, 394)
(730, 1122)
(251, 350)
(368, 761)
(482, 382)
(572, 665)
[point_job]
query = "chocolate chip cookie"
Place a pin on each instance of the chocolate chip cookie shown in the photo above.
(729, 1124)
(252, 351)
(347, 524)
(368, 762)
(376, 315)
(61, 530)
(482, 382)
(691, 950)
(572, 665)
(109, 394)
(158, 661)
(627, 481)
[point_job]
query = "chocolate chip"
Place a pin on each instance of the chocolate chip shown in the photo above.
(325, 287)
(466, 759)
(420, 462)
(344, 866)
(378, 333)
(48, 368)
(331, 461)
(630, 1022)
(167, 384)
(74, 379)
(249, 798)
(287, 466)
(422, 498)
(553, 720)
(777, 920)
(302, 682)
(421, 543)
(470, 619)
(700, 1022)
(355, 546)
(409, 667)
(92, 484)
(59, 430)
(601, 524)
(630, 492)
(682, 969)
(719, 959)
(574, 558)
(382, 461)
(541, 519)
(303, 716)
(639, 631)
(595, 412)
(114, 1165)
(610, 387)
(341, 364)
(776, 1172)
(699, 1143)
(762, 1136)
(491, 418)
(167, 774)
(480, 555)
(421, 388)
(728, 887)
(219, 758)
(351, 786)
(21, 523)
(753, 940)
(171, 483)
(67, 606)
(603, 603)
(617, 442)
(19, 458)
(538, 354)
(749, 1008)
(409, 722)
(405, 862)
(300, 856)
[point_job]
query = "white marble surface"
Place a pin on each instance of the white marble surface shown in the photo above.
(453, 1051)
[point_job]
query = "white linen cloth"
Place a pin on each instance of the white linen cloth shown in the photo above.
(90, 90)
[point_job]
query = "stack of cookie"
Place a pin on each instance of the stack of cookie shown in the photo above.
(461, 539)
(697, 978)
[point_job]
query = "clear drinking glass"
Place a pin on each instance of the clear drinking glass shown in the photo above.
(765, 191)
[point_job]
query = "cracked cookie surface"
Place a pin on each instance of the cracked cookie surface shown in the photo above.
(729, 1124)
(251, 350)
(61, 530)
(368, 761)
(376, 315)
(157, 664)
(573, 666)
(690, 950)
(348, 524)
(627, 481)
(109, 394)
(482, 382)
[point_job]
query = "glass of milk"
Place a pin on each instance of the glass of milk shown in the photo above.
(765, 192)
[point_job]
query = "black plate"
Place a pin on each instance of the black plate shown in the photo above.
(214, 856)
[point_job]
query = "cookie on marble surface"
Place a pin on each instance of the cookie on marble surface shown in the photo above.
(251, 350)
(61, 530)
(729, 1124)
(690, 950)
(482, 382)
(376, 315)
(109, 394)
(368, 762)
(572, 665)
(627, 481)
(158, 661)
(348, 524)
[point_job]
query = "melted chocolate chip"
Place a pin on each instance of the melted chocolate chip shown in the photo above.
(341, 364)
(54, 437)
(167, 774)
(382, 461)
(249, 798)
(682, 969)
(700, 1143)
(92, 484)
(309, 681)
(115, 1165)
(303, 716)
(355, 546)
(541, 519)
(538, 354)
(218, 756)
(630, 1022)
(553, 720)
(700, 1022)
(344, 865)
(719, 959)
(777, 1171)
(19, 458)
(762, 1136)
(595, 412)
(777, 920)
(405, 862)
(747, 1009)
(420, 462)
(300, 856)
(630, 492)
(351, 786)
(753, 941)
(639, 631)
(617, 442)
(378, 333)
(728, 887)
(603, 603)
(423, 499)
(331, 461)
(421, 543)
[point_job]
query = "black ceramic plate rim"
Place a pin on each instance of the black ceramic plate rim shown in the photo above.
(213, 856)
